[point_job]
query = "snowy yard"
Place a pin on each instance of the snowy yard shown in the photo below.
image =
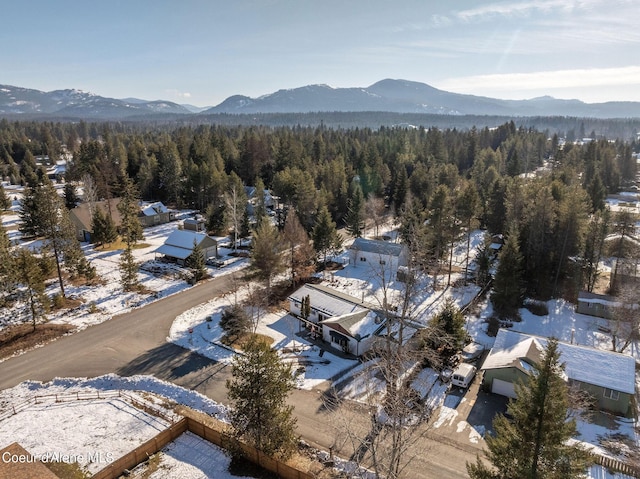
(198, 329)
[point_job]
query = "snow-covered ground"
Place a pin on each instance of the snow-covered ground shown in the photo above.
(102, 301)
(198, 329)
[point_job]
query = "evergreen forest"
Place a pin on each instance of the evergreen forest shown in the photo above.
(544, 194)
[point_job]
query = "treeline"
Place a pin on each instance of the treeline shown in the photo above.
(441, 183)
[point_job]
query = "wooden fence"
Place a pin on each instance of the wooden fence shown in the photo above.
(88, 396)
(221, 439)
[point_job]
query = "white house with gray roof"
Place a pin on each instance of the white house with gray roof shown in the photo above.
(344, 322)
(607, 376)
(378, 255)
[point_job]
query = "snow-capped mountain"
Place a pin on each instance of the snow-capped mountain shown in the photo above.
(78, 103)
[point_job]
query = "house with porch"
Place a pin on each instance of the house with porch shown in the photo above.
(608, 377)
(344, 322)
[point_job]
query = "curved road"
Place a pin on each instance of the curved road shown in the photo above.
(135, 343)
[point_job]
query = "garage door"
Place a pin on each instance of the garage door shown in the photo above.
(503, 388)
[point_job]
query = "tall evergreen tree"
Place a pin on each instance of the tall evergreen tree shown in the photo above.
(55, 226)
(258, 390)
(70, 196)
(355, 219)
(103, 229)
(29, 274)
(266, 255)
(507, 285)
(302, 256)
(197, 263)
(535, 443)
(325, 235)
(5, 202)
(7, 265)
(131, 232)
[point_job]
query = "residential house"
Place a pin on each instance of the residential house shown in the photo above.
(152, 214)
(179, 245)
(82, 216)
(381, 256)
(269, 200)
(607, 376)
(344, 322)
(598, 305)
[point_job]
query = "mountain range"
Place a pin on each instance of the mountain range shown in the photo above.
(399, 96)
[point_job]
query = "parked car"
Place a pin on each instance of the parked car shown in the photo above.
(471, 352)
(218, 263)
(463, 375)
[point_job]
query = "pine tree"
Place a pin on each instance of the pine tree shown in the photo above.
(507, 285)
(258, 391)
(235, 322)
(130, 227)
(324, 235)
(55, 226)
(216, 220)
(355, 220)
(302, 255)
(29, 274)
(128, 271)
(70, 196)
(197, 263)
(266, 256)
(103, 228)
(534, 443)
(449, 324)
(5, 202)
(131, 232)
(7, 265)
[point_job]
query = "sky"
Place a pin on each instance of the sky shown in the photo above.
(202, 51)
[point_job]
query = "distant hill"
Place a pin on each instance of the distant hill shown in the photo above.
(402, 96)
(79, 104)
(392, 96)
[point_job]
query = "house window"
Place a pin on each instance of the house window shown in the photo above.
(611, 394)
(362, 258)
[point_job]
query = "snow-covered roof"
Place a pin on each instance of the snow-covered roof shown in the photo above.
(376, 246)
(179, 243)
(326, 301)
(358, 325)
(152, 209)
(588, 365)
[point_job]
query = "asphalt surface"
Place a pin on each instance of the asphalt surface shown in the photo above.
(135, 343)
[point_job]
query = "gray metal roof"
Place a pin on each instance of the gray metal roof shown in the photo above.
(326, 302)
(377, 247)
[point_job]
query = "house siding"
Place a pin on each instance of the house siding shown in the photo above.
(513, 375)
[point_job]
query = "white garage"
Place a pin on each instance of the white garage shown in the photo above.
(504, 388)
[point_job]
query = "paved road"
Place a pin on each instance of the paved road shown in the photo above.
(135, 343)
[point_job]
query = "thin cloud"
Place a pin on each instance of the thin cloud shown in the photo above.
(178, 93)
(547, 80)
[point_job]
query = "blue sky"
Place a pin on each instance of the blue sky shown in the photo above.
(202, 51)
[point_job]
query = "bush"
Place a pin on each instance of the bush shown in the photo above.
(539, 308)
(235, 321)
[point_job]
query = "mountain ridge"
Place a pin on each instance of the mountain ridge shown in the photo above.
(387, 95)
